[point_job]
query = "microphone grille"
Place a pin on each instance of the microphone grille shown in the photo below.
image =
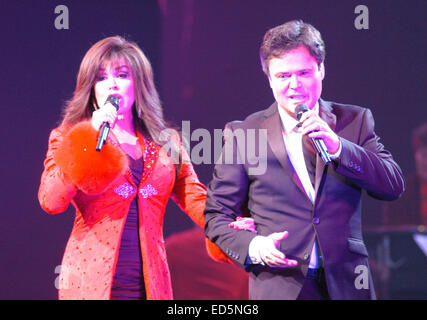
(114, 100)
(300, 109)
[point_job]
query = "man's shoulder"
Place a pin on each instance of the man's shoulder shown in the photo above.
(346, 113)
(337, 107)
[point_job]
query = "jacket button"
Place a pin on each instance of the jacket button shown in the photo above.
(316, 220)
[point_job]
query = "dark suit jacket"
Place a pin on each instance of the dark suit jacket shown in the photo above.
(276, 201)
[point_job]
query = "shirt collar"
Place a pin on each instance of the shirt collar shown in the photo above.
(289, 123)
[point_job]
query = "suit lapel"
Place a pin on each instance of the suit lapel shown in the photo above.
(325, 113)
(273, 125)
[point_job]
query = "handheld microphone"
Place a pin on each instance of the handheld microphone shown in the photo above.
(105, 127)
(318, 143)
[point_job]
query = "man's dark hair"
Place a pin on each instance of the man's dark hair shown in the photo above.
(288, 36)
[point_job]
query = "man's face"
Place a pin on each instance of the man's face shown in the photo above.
(296, 78)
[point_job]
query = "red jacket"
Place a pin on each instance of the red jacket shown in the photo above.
(101, 188)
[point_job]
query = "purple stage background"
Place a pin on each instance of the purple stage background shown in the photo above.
(205, 59)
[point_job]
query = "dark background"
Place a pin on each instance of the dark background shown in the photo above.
(205, 57)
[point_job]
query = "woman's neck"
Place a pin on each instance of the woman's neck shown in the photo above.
(124, 132)
(124, 125)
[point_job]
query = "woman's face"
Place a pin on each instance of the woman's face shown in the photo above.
(115, 78)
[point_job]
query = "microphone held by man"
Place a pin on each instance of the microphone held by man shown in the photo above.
(318, 143)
